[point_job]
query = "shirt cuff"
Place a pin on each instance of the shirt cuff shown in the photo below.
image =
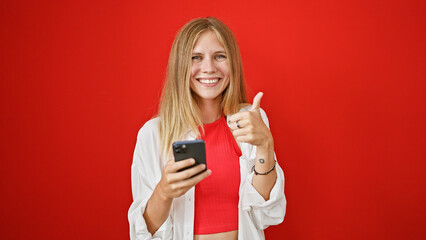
(253, 199)
(141, 229)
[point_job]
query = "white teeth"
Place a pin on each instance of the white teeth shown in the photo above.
(208, 81)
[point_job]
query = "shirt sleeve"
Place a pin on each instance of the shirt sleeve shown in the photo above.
(146, 173)
(264, 213)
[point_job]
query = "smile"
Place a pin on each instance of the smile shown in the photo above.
(210, 82)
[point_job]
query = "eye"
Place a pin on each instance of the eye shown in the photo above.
(196, 58)
(220, 57)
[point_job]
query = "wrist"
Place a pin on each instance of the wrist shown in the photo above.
(263, 173)
(161, 195)
(266, 146)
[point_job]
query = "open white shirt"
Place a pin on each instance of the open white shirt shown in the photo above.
(254, 213)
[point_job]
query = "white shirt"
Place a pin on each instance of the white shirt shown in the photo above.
(254, 213)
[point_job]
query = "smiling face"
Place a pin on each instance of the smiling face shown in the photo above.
(210, 69)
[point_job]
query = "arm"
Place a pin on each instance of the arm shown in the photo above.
(156, 211)
(261, 212)
(263, 163)
(173, 184)
(264, 212)
(262, 196)
(251, 127)
(146, 173)
(154, 186)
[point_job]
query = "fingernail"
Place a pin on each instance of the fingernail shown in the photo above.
(203, 166)
(209, 172)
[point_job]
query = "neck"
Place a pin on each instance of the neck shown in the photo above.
(210, 109)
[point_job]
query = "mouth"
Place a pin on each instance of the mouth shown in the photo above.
(209, 82)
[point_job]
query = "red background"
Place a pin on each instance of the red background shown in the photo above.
(344, 85)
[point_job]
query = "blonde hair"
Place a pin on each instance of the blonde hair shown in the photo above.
(179, 112)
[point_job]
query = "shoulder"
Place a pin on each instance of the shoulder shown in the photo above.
(146, 154)
(149, 129)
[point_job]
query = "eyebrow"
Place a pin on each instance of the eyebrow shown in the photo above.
(216, 52)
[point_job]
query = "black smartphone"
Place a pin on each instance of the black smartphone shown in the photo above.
(195, 149)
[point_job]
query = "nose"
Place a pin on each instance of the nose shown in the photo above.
(208, 65)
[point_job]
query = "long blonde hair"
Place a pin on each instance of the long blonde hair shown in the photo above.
(179, 112)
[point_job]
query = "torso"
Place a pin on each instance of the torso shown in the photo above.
(231, 235)
(216, 198)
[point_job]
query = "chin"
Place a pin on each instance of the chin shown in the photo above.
(208, 96)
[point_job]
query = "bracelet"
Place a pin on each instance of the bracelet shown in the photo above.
(266, 173)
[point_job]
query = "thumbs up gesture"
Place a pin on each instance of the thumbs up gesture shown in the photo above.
(249, 127)
(256, 102)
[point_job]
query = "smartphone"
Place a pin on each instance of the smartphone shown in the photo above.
(195, 149)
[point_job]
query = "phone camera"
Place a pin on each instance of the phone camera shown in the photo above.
(181, 149)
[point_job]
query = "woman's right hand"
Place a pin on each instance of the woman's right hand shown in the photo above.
(174, 184)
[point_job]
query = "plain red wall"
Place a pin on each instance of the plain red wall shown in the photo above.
(345, 91)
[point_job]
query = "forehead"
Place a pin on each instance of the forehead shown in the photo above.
(207, 43)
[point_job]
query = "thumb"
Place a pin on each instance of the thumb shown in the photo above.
(256, 102)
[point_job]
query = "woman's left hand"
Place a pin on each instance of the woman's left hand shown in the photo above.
(249, 127)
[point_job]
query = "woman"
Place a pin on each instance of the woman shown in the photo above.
(242, 191)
